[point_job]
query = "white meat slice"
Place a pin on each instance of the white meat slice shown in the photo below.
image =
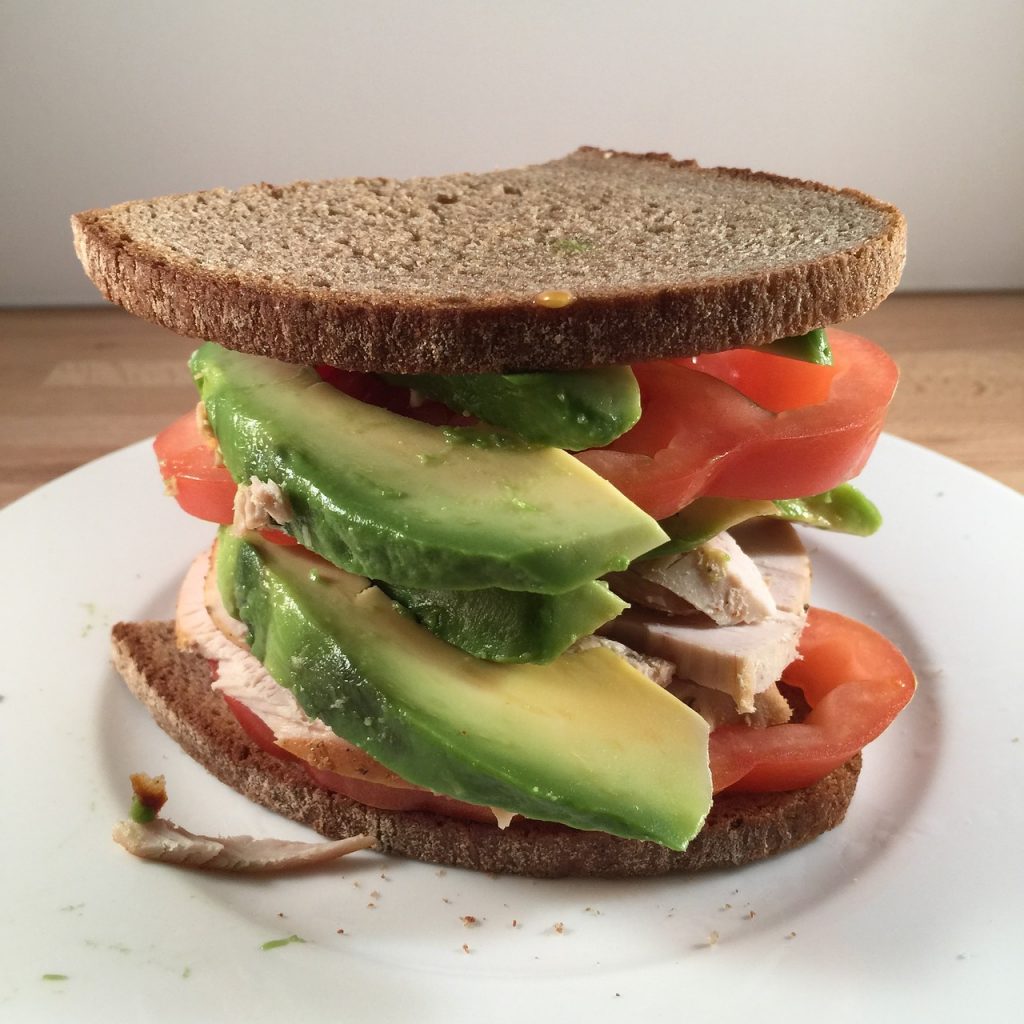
(234, 629)
(658, 670)
(632, 587)
(193, 627)
(717, 578)
(162, 840)
(717, 708)
(777, 551)
(239, 675)
(740, 660)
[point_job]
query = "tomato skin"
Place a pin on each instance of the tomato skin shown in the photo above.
(776, 383)
(855, 681)
(394, 798)
(367, 387)
(257, 730)
(286, 540)
(699, 436)
(192, 475)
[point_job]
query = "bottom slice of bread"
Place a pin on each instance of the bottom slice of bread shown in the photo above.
(175, 686)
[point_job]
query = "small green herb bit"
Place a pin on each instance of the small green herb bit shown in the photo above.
(571, 246)
(140, 812)
(275, 943)
(55, 977)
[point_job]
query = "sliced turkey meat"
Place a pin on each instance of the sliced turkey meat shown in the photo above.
(781, 558)
(717, 578)
(740, 660)
(658, 670)
(260, 505)
(717, 708)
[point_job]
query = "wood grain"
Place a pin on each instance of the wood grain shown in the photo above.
(78, 383)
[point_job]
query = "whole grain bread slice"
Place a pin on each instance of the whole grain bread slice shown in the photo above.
(175, 687)
(597, 258)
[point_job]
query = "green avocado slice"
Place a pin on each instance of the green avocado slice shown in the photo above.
(812, 347)
(586, 740)
(402, 501)
(574, 409)
(509, 625)
(843, 509)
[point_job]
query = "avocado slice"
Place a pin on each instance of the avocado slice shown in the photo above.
(843, 509)
(509, 625)
(585, 740)
(812, 347)
(402, 501)
(574, 409)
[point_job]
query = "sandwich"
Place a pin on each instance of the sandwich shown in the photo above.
(510, 471)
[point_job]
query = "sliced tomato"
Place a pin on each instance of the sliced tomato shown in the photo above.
(699, 436)
(776, 383)
(286, 540)
(370, 388)
(195, 477)
(192, 474)
(855, 682)
(394, 798)
(256, 729)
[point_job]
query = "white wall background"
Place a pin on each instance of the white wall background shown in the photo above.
(920, 102)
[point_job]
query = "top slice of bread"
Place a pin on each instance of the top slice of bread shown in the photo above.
(661, 258)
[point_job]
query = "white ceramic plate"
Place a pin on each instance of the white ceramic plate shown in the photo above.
(913, 909)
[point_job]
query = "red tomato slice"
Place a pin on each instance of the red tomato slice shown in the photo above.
(368, 387)
(255, 728)
(201, 486)
(191, 474)
(393, 798)
(855, 681)
(699, 436)
(776, 383)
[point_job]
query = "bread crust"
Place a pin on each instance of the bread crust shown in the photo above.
(175, 687)
(497, 332)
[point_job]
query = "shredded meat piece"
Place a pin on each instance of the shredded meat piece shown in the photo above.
(260, 505)
(658, 670)
(162, 840)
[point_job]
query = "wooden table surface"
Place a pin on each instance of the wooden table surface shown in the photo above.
(77, 383)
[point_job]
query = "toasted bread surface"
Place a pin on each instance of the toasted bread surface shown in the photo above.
(598, 258)
(175, 687)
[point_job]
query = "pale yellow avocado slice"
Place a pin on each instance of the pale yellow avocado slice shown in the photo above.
(585, 740)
